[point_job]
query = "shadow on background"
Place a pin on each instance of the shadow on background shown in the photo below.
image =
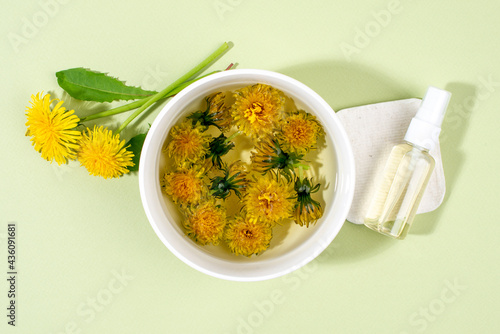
(355, 243)
(344, 85)
(81, 108)
(138, 125)
(454, 128)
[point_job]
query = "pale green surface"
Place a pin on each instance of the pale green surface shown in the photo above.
(76, 229)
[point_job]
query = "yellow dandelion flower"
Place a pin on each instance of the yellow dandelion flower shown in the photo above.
(103, 154)
(257, 109)
(300, 132)
(219, 112)
(269, 198)
(247, 236)
(205, 223)
(185, 186)
(52, 131)
(189, 143)
(307, 211)
(238, 174)
(267, 155)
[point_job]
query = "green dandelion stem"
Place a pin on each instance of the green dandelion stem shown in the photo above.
(174, 85)
(303, 166)
(231, 137)
(139, 103)
(301, 173)
(117, 110)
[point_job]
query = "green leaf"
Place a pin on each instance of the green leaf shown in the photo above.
(84, 84)
(136, 148)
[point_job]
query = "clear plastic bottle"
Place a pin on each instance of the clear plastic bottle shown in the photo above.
(408, 170)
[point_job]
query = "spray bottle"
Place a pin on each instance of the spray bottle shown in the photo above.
(408, 169)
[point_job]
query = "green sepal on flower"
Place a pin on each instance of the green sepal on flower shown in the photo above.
(306, 211)
(269, 155)
(218, 147)
(216, 114)
(234, 179)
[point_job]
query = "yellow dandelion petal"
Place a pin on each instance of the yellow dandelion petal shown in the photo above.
(52, 131)
(307, 213)
(219, 112)
(205, 223)
(264, 154)
(238, 172)
(185, 186)
(103, 154)
(247, 236)
(257, 109)
(188, 143)
(269, 198)
(300, 132)
(268, 154)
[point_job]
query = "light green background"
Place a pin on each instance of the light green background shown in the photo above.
(77, 232)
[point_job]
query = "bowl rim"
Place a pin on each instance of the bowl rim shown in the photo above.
(309, 249)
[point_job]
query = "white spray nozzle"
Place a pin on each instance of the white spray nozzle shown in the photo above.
(434, 106)
(426, 125)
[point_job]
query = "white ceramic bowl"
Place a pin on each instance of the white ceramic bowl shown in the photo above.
(292, 246)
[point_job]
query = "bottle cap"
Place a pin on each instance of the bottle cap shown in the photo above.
(425, 127)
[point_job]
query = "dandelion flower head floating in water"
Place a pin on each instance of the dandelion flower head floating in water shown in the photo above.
(247, 236)
(257, 109)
